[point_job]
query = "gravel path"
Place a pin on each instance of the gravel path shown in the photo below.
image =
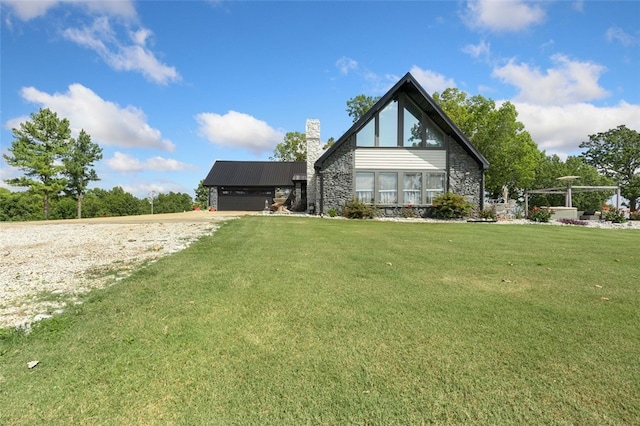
(43, 265)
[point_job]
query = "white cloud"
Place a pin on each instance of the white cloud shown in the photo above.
(105, 121)
(238, 130)
(142, 189)
(482, 49)
(26, 10)
(619, 35)
(569, 82)
(431, 81)
(124, 163)
(561, 129)
(345, 65)
(127, 164)
(130, 55)
(512, 15)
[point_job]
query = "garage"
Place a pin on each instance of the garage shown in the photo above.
(250, 185)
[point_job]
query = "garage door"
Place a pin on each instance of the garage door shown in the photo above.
(244, 199)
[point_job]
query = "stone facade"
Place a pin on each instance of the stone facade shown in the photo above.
(465, 175)
(213, 197)
(336, 178)
(312, 137)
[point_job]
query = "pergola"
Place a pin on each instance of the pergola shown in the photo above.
(569, 190)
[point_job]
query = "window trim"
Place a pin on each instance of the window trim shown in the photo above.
(400, 186)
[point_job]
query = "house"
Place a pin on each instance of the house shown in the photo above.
(401, 154)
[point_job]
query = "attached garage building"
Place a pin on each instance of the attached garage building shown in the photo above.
(251, 185)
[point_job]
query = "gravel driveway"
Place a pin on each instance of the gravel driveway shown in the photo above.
(43, 265)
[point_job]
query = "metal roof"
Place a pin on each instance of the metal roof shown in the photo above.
(254, 173)
(412, 88)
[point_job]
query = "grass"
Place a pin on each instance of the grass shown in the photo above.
(306, 321)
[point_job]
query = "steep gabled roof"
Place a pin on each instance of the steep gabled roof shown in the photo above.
(254, 173)
(412, 88)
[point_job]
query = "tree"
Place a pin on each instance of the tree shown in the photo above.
(359, 105)
(292, 148)
(513, 156)
(616, 154)
(78, 166)
(329, 143)
(38, 149)
(202, 195)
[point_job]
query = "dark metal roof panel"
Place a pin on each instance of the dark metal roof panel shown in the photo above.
(254, 173)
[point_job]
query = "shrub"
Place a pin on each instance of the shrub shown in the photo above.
(407, 212)
(539, 215)
(332, 212)
(451, 206)
(489, 213)
(355, 209)
(614, 216)
(634, 215)
(568, 221)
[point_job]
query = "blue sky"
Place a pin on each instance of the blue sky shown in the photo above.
(168, 87)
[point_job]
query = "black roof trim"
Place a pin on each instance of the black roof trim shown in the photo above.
(415, 91)
(254, 173)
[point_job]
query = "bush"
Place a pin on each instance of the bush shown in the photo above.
(451, 206)
(407, 212)
(355, 209)
(332, 212)
(634, 215)
(539, 215)
(614, 216)
(489, 213)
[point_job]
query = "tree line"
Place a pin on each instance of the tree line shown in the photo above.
(57, 170)
(27, 205)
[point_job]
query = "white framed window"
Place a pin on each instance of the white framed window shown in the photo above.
(434, 186)
(387, 188)
(395, 188)
(365, 187)
(412, 189)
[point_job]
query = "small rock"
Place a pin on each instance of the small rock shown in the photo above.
(32, 364)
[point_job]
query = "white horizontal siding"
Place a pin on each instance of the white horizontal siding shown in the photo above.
(400, 159)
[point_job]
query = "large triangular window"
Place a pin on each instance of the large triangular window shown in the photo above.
(400, 123)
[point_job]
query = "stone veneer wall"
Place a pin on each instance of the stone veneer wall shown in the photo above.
(465, 175)
(213, 197)
(312, 139)
(337, 178)
(465, 178)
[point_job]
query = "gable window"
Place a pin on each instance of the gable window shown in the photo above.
(412, 131)
(400, 123)
(388, 125)
(367, 135)
(432, 135)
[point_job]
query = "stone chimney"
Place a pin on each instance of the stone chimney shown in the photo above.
(312, 136)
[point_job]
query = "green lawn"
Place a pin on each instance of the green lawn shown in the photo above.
(285, 320)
